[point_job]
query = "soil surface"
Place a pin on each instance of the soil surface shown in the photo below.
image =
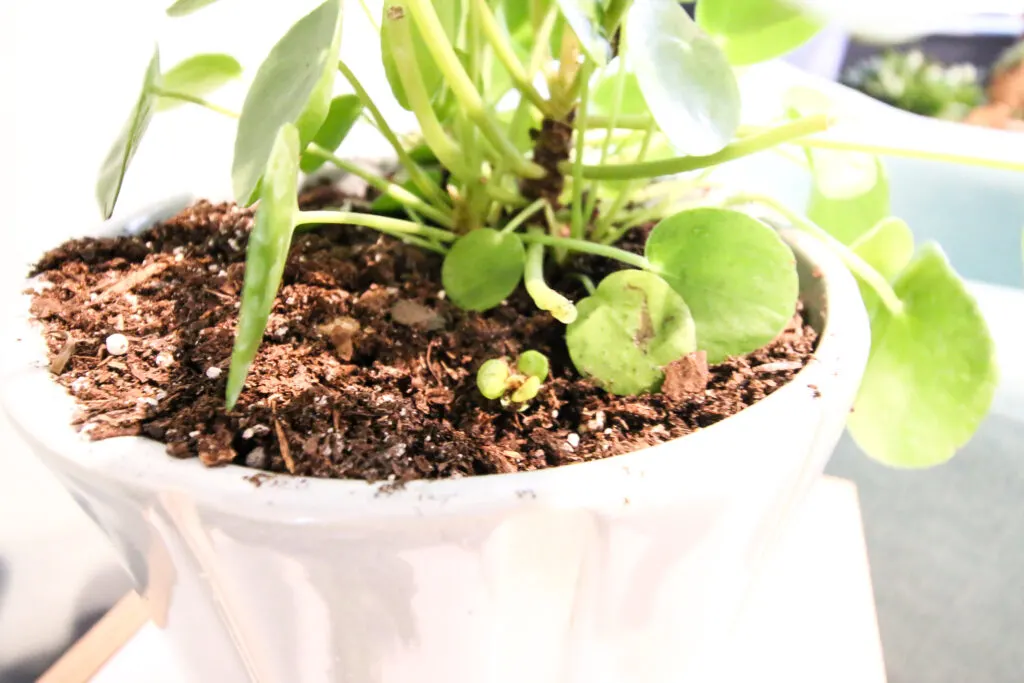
(366, 370)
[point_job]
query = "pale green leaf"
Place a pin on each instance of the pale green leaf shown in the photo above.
(266, 253)
(115, 165)
(198, 76)
(341, 116)
(685, 78)
(849, 194)
(293, 85)
(887, 247)
(736, 274)
(751, 31)
(482, 268)
(628, 330)
(184, 7)
(932, 372)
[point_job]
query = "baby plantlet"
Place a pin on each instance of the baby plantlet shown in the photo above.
(514, 387)
(618, 111)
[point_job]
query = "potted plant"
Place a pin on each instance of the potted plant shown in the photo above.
(530, 406)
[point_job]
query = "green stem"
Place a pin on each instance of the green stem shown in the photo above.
(927, 155)
(523, 215)
(608, 219)
(185, 97)
(622, 121)
(416, 174)
(507, 56)
(586, 247)
(462, 85)
(370, 16)
(858, 266)
(620, 89)
(384, 186)
(755, 143)
(546, 298)
(613, 16)
(587, 283)
(395, 227)
(576, 226)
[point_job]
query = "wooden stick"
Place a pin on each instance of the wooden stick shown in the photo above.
(95, 648)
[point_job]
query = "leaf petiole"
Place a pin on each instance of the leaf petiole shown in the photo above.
(185, 97)
(760, 142)
(395, 227)
(585, 247)
(507, 56)
(546, 298)
(576, 225)
(523, 216)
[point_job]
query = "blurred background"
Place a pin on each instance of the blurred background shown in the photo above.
(945, 545)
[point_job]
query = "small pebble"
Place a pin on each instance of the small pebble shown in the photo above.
(163, 359)
(554, 413)
(573, 439)
(257, 458)
(117, 345)
(213, 372)
(248, 434)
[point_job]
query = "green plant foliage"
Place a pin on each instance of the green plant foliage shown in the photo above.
(533, 364)
(293, 85)
(684, 76)
(628, 330)
(341, 116)
(751, 31)
(184, 7)
(450, 14)
(584, 18)
(849, 193)
(932, 372)
(198, 76)
(735, 273)
(604, 90)
(266, 253)
(887, 247)
(482, 268)
(492, 378)
(115, 165)
(387, 205)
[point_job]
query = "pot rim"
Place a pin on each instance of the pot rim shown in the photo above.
(142, 464)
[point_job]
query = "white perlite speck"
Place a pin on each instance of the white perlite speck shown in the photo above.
(213, 372)
(573, 439)
(117, 345)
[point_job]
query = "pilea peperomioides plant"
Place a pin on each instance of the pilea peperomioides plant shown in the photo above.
(612, 95)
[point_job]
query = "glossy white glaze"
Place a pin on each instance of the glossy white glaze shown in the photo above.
(626, 569)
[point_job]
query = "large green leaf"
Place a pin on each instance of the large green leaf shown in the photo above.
(685, 78)
(183, 7)
(341, 116)
(736, 274)
(115, 165)
(293, 85)
(932, 372)
(751, 31)
(888, 247)
(266, 253)
(482, 268)
(628, 331)
(849, 194)
(198, 76)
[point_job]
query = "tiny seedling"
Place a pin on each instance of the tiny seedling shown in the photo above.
(554, 127)
(513, 386)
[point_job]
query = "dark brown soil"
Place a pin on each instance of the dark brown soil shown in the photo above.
(366, 371)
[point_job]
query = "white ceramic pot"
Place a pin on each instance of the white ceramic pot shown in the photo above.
(630, 569)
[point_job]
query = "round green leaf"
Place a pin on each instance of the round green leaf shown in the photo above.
(686, 80)
(584, 18)
(342, 115)
(293, 85)
(266, 253)
(736, 274)
(183, 7)
(630, 328)
(849, 194)
(198, 76)
(887, 247)
(482, 268)
(533, 364)
(115, 165)
(492, 378)
(751, 31)
(932, 372)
